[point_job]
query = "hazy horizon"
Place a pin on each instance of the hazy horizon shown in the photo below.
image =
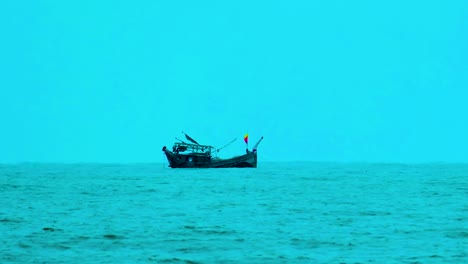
(261, 162)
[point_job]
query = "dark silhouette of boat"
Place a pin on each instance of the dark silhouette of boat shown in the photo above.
(194, 155)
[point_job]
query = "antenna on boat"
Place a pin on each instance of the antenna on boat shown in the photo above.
(226, 145)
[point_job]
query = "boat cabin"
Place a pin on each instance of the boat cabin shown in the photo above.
(195, 153)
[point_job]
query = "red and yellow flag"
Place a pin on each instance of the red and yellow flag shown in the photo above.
(246, 138)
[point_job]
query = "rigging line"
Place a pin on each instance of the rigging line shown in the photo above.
(226, 145)
(180, 140)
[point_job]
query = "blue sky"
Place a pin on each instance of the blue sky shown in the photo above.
(114, 81)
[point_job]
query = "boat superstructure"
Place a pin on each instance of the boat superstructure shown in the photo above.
(195, 155)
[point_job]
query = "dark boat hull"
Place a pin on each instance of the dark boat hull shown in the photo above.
(248, 160)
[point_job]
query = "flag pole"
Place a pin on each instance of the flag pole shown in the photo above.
(246, 140)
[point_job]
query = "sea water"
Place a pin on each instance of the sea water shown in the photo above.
(277, 213)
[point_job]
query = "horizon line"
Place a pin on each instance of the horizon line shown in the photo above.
(278, 161)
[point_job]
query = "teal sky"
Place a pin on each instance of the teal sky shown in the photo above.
(114, 81)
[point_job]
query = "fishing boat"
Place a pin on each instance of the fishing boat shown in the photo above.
(195, 155)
